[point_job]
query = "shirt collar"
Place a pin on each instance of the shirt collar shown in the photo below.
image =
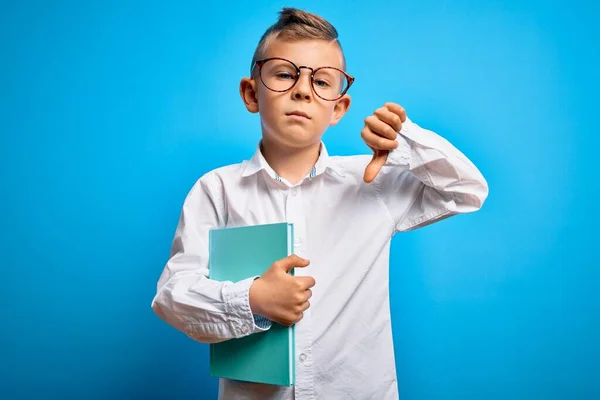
(323, 164)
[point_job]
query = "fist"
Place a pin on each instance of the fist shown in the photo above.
(379, 133)
(279, 296)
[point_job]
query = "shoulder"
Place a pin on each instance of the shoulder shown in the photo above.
(212, 181)
(209, 191)
(350, 163)
(351, 167)
(349, 170)
(225, 173)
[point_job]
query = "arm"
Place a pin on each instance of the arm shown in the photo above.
(426, 179)
(206, 310)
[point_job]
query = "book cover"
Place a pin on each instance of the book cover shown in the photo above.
(237, 253)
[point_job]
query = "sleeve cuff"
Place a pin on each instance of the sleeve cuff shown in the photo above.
(262, 322)
(401, 155)
(237, 305)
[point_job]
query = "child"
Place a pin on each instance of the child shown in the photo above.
(345, 211)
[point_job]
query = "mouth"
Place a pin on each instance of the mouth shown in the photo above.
(301, 114)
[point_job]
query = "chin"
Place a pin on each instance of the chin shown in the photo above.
(295, 136)
(300, 138)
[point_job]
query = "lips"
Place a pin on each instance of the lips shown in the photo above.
(299, 114)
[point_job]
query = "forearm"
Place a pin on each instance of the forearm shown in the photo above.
(206, 310)
(427, 179)
(441, 166)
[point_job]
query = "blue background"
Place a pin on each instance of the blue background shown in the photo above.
(109, 112)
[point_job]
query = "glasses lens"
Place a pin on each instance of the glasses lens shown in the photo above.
(329, 83)
(278, 75)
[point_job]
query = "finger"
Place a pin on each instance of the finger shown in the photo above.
(305, 306)
(286, 318)
(397, 109)
(307, 294)
(380, 127)
(291, 318)
(290, 262)
(377, 162)
(306, 282)
(376, 142)
(389, 118)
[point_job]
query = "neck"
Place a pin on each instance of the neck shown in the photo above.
(293, 164)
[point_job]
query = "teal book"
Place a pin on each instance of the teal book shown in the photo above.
(237, 253)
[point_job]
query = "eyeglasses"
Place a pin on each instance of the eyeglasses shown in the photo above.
(280, 75)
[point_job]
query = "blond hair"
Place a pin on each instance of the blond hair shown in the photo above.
(294, 24)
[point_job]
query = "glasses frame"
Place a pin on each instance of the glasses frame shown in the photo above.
(259, 64)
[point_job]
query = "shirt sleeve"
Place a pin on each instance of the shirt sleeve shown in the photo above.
(206, 310)
(427, 179)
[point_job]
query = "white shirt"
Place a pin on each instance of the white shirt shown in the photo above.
(344, 226)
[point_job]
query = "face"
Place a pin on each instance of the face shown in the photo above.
(297, 117)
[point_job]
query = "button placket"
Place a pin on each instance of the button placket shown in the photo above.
(295, 215)
(304, 375)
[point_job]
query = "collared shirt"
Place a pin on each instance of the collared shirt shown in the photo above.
(344, 226)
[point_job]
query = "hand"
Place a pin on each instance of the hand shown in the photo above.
(380, 133)
(279, 296)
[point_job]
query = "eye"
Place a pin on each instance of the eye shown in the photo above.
(321, 83)
(284, 75)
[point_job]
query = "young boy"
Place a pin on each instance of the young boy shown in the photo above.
(345, 211)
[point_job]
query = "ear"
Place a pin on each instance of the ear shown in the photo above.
(341, 106)
(248, 94)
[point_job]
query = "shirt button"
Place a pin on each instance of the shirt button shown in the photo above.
(244, 329)
(302, 357)
(294, 191)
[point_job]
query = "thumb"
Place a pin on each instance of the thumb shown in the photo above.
(291, 261)
(378, 160)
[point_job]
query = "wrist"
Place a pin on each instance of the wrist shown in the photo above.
(254, 297)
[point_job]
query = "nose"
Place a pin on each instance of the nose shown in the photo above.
(302, 89)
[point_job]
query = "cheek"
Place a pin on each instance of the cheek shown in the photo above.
(267, 103)
(326, 114)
